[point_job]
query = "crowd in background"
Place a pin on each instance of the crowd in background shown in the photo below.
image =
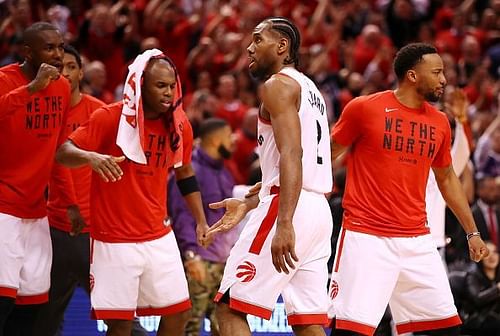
(347, 49)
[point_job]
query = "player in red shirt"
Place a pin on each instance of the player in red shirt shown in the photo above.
(135, 262)
(393, 138)
(34, 100)
(68, 211)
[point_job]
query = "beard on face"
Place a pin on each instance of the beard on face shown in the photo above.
(207, 114)
(260, 72)
(432, 97)
(224, 152)
(429, 94)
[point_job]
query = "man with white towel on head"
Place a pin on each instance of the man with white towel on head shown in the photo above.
(136, 268)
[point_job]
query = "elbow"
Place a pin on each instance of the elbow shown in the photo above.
(61, 154)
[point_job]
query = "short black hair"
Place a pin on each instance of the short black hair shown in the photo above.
(69, 49)
(31, 33)
(409, 56)
(289, 30)
(210, 125)
(163, 57)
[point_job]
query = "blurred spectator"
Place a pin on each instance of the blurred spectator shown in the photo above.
(355, 84)
(230, 107)
(482, 291)
(94, 82)
(59, 16)
(201, 59)
(403, 21)
(247, 89)
(493, 55)
(449, 40)
(485, 211)
(367, 44)
(326, 79)
(245, 143)
(204, 267)
(201, 107)
(175, 31)
(11, 28)
(480, 90)
(470, 59)
(102, 37)
(150, 43)
(487, 154)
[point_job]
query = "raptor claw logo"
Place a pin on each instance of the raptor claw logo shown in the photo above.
(246, 271)
(334, 289)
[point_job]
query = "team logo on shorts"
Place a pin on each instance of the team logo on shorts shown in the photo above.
(246, 271)
(334, 289)
(92, 281)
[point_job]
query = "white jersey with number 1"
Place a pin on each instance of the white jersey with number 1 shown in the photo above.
(315, 141)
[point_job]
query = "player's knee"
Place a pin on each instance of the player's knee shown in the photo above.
(224, 313)
(184, 316)
(452, 331)
(118, 327)
(175, 321)
(300, 330)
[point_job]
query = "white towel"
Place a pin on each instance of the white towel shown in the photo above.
(130, 136)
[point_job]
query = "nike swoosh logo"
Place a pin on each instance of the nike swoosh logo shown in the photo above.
(387, 110)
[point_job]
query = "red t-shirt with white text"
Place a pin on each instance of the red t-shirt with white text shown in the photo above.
(132, 209)
(71, 186)
(30, 130)
(392, 150)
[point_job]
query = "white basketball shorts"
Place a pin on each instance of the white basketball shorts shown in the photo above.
(128, 279)
(370, 271)
(25, 259)
(252, 282)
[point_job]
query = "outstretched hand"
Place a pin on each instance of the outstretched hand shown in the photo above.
(107, 166)
(235, 211)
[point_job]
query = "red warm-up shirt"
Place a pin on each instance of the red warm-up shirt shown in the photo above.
(71, 186)
(392, 150)
(132, 209)
(31, 127)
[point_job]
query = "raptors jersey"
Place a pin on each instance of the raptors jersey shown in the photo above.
(315, 141)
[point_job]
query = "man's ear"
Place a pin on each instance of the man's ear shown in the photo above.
(282, 46)
(27, 52)
(411, 75)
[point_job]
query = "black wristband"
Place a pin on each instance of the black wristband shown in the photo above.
(188, 185)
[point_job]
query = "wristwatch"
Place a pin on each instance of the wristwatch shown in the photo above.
(190, 255)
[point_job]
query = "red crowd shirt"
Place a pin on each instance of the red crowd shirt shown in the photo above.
(132, 209)
(71, 186)
(392, 150)
(30, 130)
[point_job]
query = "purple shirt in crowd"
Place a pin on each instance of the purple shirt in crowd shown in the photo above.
(216, 183)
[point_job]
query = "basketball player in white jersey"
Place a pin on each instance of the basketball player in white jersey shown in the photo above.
(285, 246)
